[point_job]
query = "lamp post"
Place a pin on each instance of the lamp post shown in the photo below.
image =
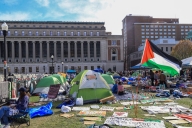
(52, 63)
(44, 69)
(62, 66)
(5, 29)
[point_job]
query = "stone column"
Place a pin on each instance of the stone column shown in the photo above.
(41, 58)
(94, 51)
(62, 52)
(82, 54)
(27, 51)
(88, 43)
(13, 52)
(75, 42)
(55, 50)
(34, 51)
(48, 56)
(69, 50)
(19, 51)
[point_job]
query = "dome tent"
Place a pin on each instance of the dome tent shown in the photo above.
(44, 84)
(90, 85)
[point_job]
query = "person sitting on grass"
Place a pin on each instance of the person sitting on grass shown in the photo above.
(7, 111)
(120, 89)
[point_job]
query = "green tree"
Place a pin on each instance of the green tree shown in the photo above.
(182, 50)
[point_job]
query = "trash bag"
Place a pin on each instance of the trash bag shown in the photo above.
(41, 111)
(67, 102)
(65, 109)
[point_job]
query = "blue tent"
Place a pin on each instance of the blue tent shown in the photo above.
(71, 71)
(98, 70)
(139, 66)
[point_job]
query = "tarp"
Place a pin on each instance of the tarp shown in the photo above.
(90, 85)
(41, 111)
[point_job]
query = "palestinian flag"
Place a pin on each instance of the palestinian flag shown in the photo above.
(155, 58)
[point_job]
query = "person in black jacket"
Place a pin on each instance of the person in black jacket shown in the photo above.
(152, 77)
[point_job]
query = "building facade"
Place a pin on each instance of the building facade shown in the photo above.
(137, 28)
(74, 45)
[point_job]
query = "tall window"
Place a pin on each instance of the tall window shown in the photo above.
(16, 33)
(44, 33)
(91, 33)
(58, 33)
(37, 33)
(72, 34)
(65, 33)
(9, 33)
(97, 33)
(30, 33)
(85, 33)
(23, 33)
(51, 33)
(78, 33)
(30, 69)
(37, 69)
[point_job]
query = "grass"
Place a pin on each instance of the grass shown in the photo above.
(55, 121)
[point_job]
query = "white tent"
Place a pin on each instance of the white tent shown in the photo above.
(187, 61)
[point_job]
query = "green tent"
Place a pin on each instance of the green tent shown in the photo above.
(108, 78)
(44, 84)
(59, 77)
(90, 85)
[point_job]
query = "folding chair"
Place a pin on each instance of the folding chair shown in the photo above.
(21, 118)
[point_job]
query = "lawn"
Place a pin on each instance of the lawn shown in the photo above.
(55, 121)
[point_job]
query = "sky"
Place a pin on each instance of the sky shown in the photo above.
(112, 12)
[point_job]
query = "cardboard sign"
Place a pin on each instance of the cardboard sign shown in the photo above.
(120, 114)
(92, 113)
(170, 118)
(53, 91)
(129, 122)
(91, 118)
(180, 121)
(89, 122)
(67, 115)
(107, 108)
(81, 108)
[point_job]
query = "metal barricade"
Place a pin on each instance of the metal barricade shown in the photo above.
(4, 92)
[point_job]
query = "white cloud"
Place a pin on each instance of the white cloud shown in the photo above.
(54, 14)
(44, 3)
(14, 16)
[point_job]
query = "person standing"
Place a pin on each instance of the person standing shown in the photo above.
(162, 79)
(152, 77)
(156, 77)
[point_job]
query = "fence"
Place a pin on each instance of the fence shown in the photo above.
(4, 92)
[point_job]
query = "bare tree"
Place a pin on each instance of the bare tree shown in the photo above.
(182, 50)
